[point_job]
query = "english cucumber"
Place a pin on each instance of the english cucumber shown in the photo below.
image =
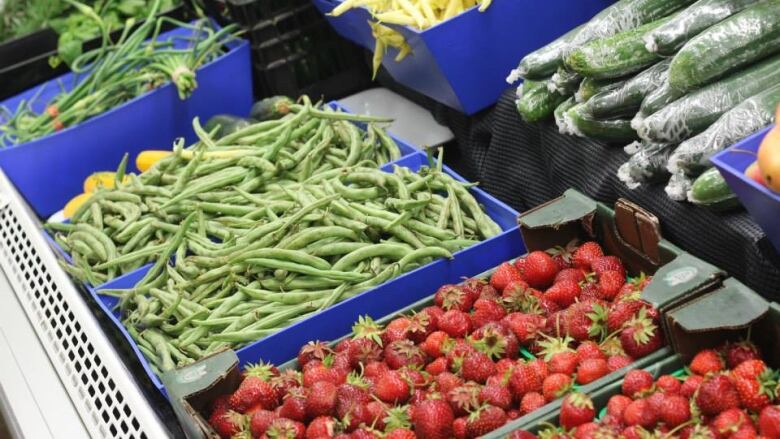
(738, 41)
(616, 56)
(696, 111)
(710, 190)
(270, 108)
(590, 87)
(647, 165)
(537, 101)
(542, 63)
(668, 38)
(654, 101)
(565, 81)
(560, 115)
(626, 99)
(584, 124)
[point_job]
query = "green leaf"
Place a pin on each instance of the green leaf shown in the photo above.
(69, 48)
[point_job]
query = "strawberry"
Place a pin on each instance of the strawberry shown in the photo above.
(286, 429)
(450, 297)
(520, 265)
(610, 283)
(755, 392)
(717, 394)
(590, 370)
(584, 256)
(585, 319)
(675, 410)
(575, 274)
(455, 323)
(590, 290)
(253, 390)
(392, 388)
(496, 395)
(607, 263)
(540, 269)
(484, 420)
(617, 362)
(639, 413)
(524, 379)
(636, 383)
(227, 422)
(375, 369)
(736, 353)
(769, 422)
(447, 381)
(564, 293)
(260, 422)
(555, 386)
(400, 433)
(363, 351)
(496, 341)
(348, 396)
(668, 384)
(437, 366)
(321, 427)
(656, 401)
(563, 255)
(504, 274)
(418, 396)
(321, 400)
(641, 336)
(564, 362)
(690, 385)
(365, 433)
(523, 326)
(540, 367)
(747, 431)
(473, 287)
(457, 352)
(294, 405)
(433, 419)
(464, 398)
(477, 366)
(576, 409)
(434, 343)
(316, 370)
(729, 422)
(521, 434)
(590, 350)
(377, 412)
(313, 350)
(397, 329)
(459, 428)
(706, 362)
(486, 311)
(433, 313)
(402, 353)
(531, 402)
(617, 405)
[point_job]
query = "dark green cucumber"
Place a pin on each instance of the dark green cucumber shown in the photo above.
(542, 63)
(698, 110)
(734, 43)
(667, 39)
(607, 130)
(590, 87)
(647, 165)
(710, 190)
(756, 112)
(560, 115)
(271, 108)
(616, 56)
(655, 101)
(537, 101)
(626, 99)
(565, 82)
(622, 16)
(227, 124)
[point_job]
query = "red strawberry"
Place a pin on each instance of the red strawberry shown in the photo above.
(363, 351)
(524, 379)
(316, 370)
(575, 274)
(464, 398)
(434, 313)
(520, 434)
(523, 326)
(540, 269)
(402, 353)
(639, 413)
(641, 336)
(455, 323)
(729, 422)
(576, 409)
(397, 329)
(477, 366)
(484, 420)
(253, 390)
(588, 430)
(610, 283)
(321, 400)
(227, 422)
(377, 412)
(321, 427)
(755, 392)
(260, 422)
(564, 362)
(450, 297)
(447, 381)
(375, 369)
(706, 362)
(504, 274)
(675, 410)
(668, 384)
(496, 341)
(540, 367)
(285, 428)
(586, 319)
(591, 290)
(459, 428)
(617, 362)
(736, 353)
(563, 293)
(747, 431)
(486, 311)
(434, 343)
(457, 352)
(437, 366)
(717, 394)
(555, 386)
(313, 350)
(608, 263)
(690, 385)
(769, 422)
(590, 370)
(617, 405)
(349, 396)
(590, 350)
(584, 256)
(531, 402)
(474, 287)
(656, 401)
(637, 382)
(365, 433)
(392, 388)
(496, 395)
(433, 419)
(294, 405)
(400, 433)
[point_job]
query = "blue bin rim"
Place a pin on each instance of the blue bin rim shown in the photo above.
(722, 162)
(233, 44)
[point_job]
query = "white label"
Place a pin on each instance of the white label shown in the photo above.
(680, 276)
(192, 374)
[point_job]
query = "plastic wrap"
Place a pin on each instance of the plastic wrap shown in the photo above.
(710, 190)
(590, 87)
(536, 102)
(626, 99)
(696, 111)
(692, 156)
(667, 39)
(736, 42)
(678, 187)
(542, 63)
(654, 101)
(560, 115)
(564, 81)
(614, 57)
(647, 165)
(583, 124)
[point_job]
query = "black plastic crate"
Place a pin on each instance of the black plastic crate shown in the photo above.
(294, 49)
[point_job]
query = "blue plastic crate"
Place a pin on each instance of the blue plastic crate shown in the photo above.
(395, 294)
(463, 62)
(50, 170)
(762, 203)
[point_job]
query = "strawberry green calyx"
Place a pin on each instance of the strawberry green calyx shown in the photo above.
(239, 420)
(598, 318)
(366, 327)
(397, 417)
(356, 379)
(552, 345)
(264, 371)
(580, 400)
(550, 432)
(492, 343)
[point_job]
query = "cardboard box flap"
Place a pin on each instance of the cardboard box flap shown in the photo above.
(734, 306)
(191, 388)
(571, 206)
(685, 273)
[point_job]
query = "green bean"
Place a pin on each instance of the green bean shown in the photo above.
(312, 234)
(95, 245)
(305, 269)
(392, 251)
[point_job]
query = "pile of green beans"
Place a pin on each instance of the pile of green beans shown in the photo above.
(118, 72)
(263, 228)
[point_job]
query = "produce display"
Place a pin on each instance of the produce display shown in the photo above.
(678, 81)
(765, 169)
(483, 353)
(118, 72)
(726, 392)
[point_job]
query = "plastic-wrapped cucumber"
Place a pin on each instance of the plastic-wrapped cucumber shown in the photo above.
(695, 112)
(647, 165)
(615, 56)
(542, 63)
(678, 186)
(560, 115)
(590, 87)
(710, 190)
(624, 15)
(537, 101)
(738, 41)
(273, 107)
(227, 124)
(584, 124)
(565, 81)
(654, 101)
(626, 99)
(756, 112)
(667, 39)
